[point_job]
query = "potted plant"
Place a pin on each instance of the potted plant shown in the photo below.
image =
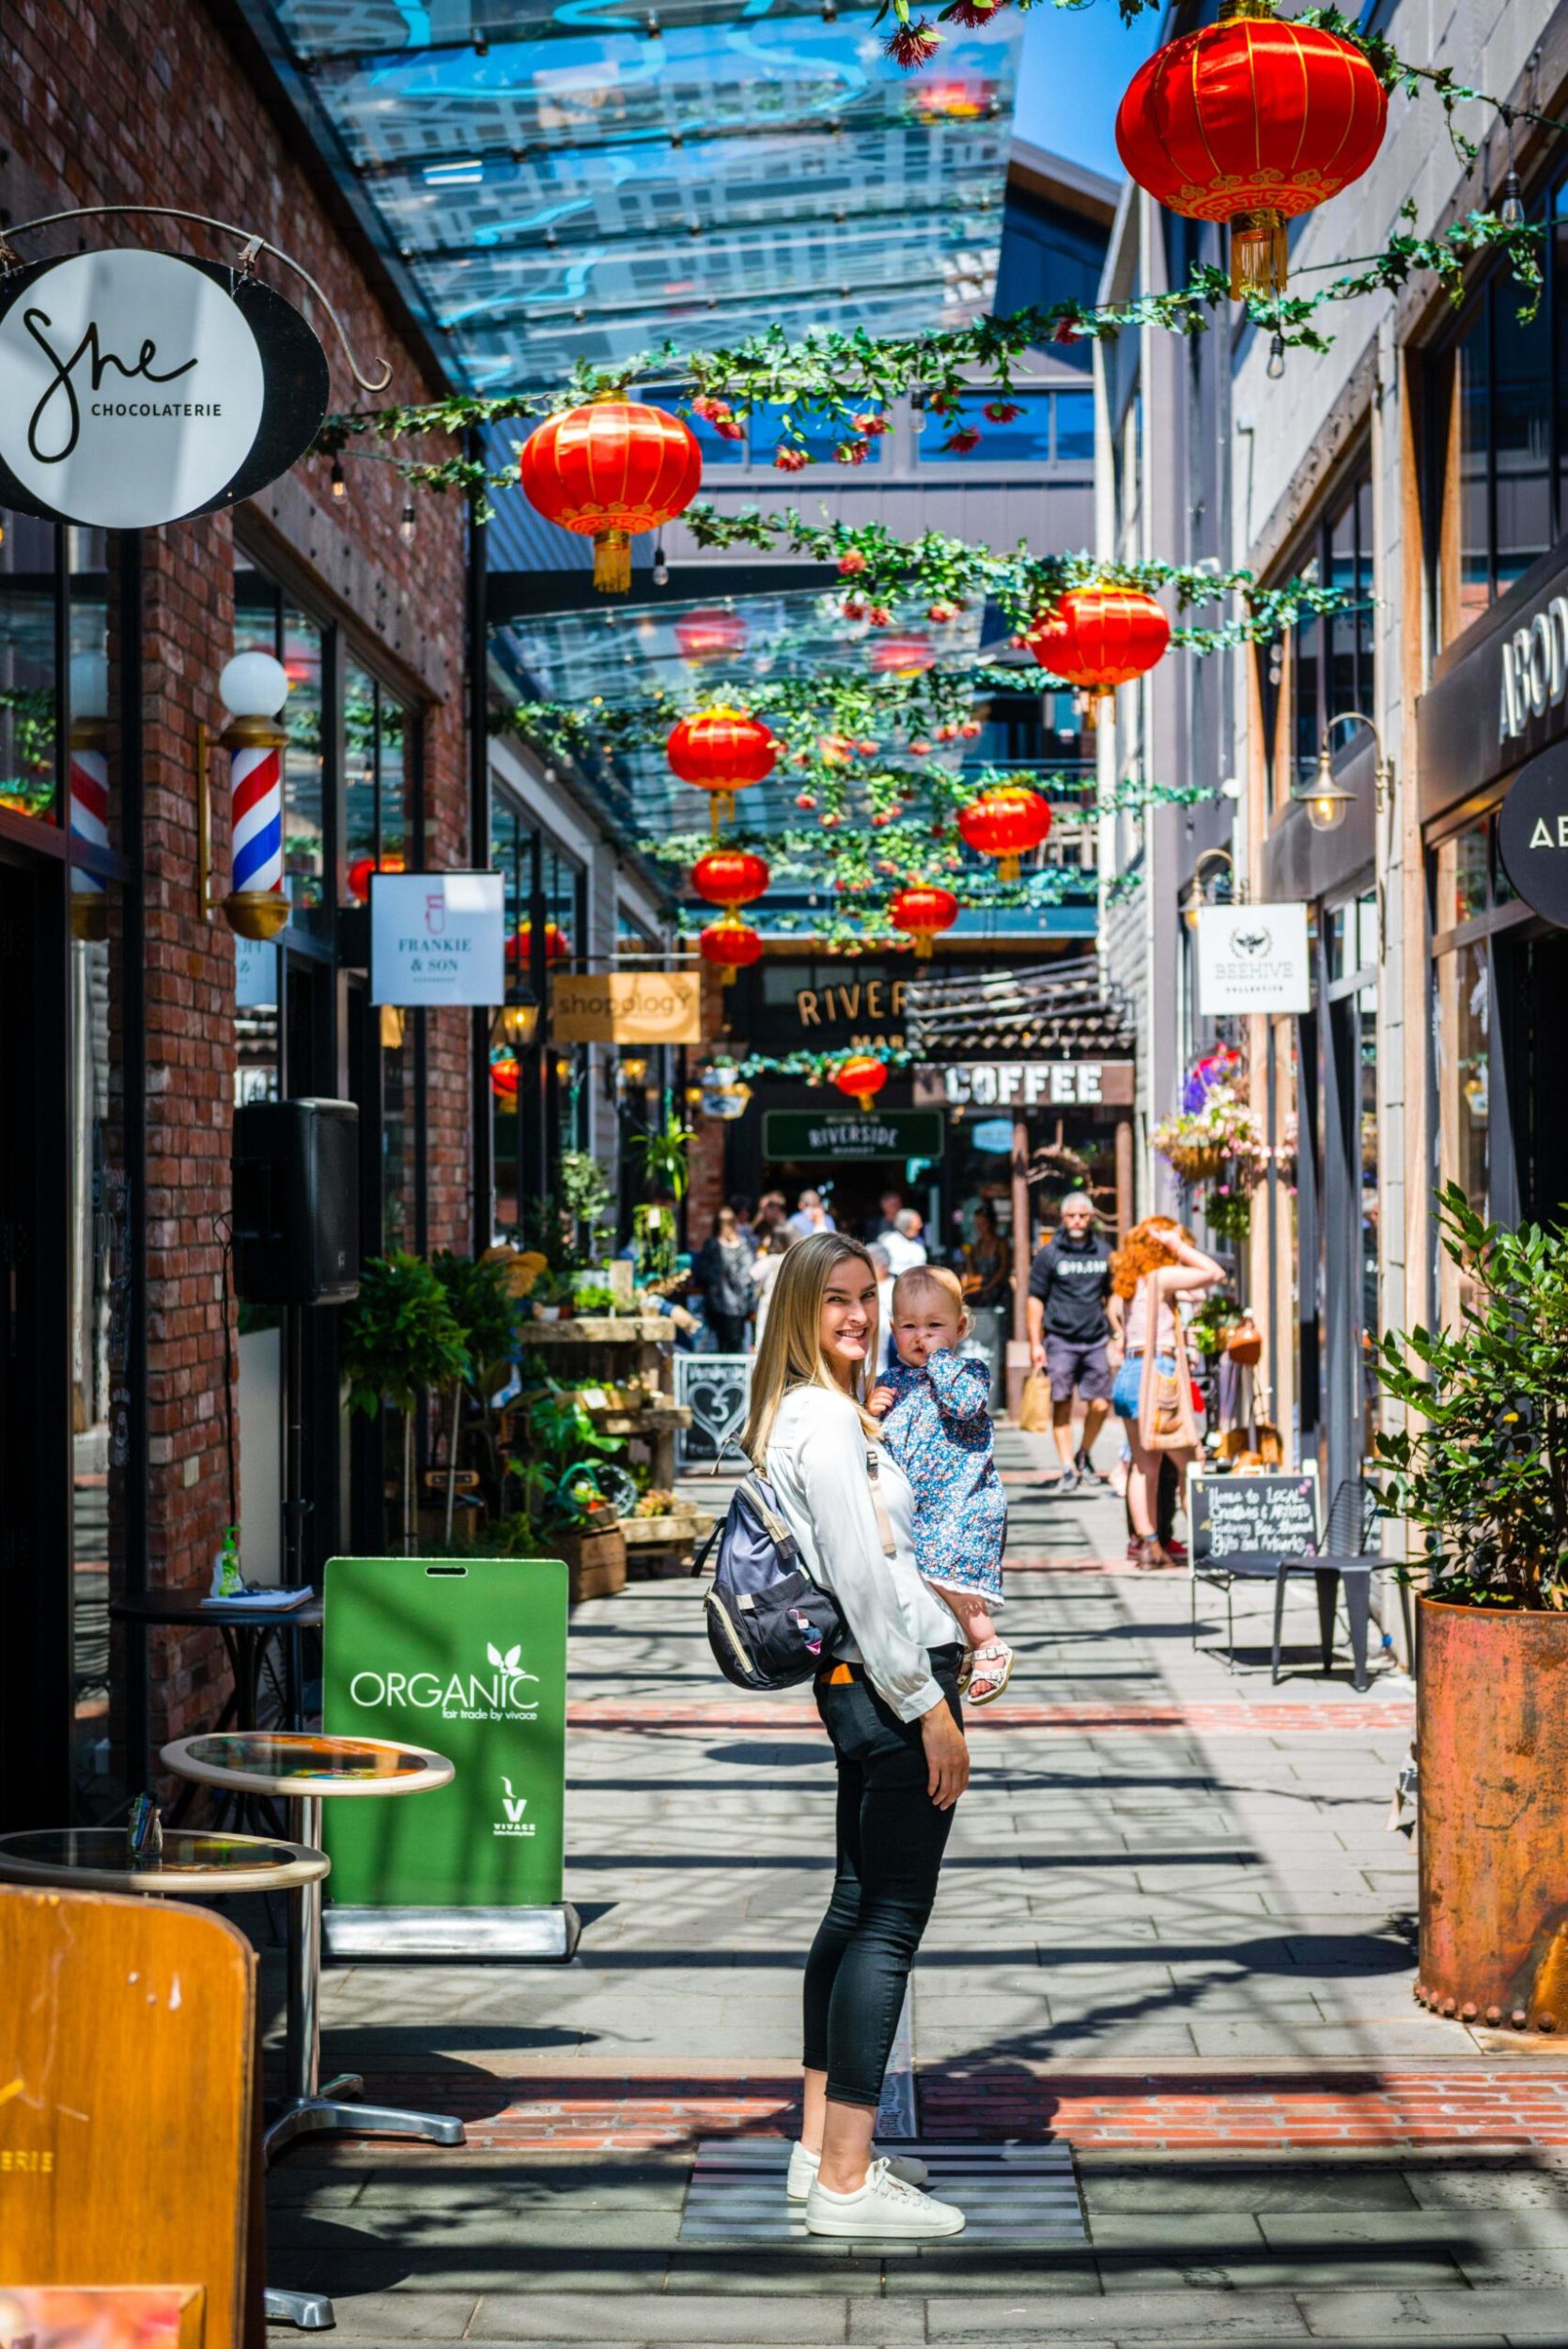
(1481, 1472)
(559, 1455)
(486, 1311)
(400, 1341)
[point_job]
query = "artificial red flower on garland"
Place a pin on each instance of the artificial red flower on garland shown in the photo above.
(789, 460)
(913, 45)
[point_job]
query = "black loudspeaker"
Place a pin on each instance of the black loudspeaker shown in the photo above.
(296, 1203)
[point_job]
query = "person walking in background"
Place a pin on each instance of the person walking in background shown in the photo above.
(723, 1273)
(878, 1256)
(987, 1260)
(888, 1697)
(771, 1213)
(810, 1216)
(771, 1254)
(904, 1244)
(1155, 1266)
(886, 1217)
(1070, 1334)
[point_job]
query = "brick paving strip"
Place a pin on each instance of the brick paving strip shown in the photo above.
(1218, 1719)
(1318, 2106)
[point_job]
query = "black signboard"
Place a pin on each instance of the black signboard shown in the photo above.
(1231, 1514)
(1532, 833)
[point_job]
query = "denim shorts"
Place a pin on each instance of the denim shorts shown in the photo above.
(1125, 1393)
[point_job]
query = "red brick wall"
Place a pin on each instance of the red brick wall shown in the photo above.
(145, 103)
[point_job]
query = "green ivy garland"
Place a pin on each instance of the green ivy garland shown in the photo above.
(841, 380)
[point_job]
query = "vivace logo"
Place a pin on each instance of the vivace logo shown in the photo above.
(514, 1806)
(504, 1694)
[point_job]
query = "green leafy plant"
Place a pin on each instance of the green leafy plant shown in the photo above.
(592, 1297)
(400, 1340)
(486, 1311)
(1483, 1471)
(1211, 1323)
(585, 1193)
(557, 1451)
(666, 1169)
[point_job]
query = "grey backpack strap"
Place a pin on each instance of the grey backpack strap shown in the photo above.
(884, 1523)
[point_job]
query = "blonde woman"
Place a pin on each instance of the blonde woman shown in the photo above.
(889, 1700)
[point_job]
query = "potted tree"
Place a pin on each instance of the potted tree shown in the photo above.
(1483, 1473)
(401, 1342)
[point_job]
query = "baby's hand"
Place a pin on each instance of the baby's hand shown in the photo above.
(882, 1400)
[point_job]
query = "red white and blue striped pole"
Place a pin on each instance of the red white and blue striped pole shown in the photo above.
(90, 789)
(252, 688)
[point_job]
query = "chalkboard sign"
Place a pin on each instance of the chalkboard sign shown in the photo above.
(1276, 1514)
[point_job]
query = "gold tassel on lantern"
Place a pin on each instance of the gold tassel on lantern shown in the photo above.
(612, 561)
(923, 945)
(722, 811)
(1259, 255)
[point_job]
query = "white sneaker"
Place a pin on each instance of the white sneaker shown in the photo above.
(803, 2167)
(884, 2210)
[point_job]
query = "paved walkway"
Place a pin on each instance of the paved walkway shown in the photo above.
(1174, 1934)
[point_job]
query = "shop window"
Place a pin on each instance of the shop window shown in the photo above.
(538, 1094)
(1332, 660)
(1501, 446)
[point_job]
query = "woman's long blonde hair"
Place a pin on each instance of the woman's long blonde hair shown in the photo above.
(791, 1353)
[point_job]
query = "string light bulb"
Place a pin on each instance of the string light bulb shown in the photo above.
(1276, 358)
(1510, 212)
(661, 568)
(407, 525)
(338, 486)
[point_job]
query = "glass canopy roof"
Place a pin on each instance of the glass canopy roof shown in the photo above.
(563, 184)
(588, 181)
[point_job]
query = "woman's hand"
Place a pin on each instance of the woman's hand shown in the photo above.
(947, 1755)
(882, 1400)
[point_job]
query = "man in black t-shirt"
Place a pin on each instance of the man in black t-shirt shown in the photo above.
(1071, 1335)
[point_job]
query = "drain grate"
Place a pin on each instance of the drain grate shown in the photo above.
(1012, 2194)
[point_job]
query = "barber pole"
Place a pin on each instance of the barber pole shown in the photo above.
(253, 687)
(90, 789)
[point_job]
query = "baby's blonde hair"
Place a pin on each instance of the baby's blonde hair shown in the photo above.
(934, 1276)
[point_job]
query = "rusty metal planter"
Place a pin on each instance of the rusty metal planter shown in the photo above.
(1494, 1815)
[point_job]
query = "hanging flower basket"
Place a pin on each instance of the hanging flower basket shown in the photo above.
(1221, 1138)
(1194, 1162)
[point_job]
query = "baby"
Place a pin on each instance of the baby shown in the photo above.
(937, 1430)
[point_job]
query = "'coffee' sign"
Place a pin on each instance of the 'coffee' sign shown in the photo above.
(137, 388)
(1028, 1084)
(1532, 833)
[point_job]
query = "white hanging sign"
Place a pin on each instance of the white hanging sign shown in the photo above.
(436, 938)
(140, 387)
(1253, 959)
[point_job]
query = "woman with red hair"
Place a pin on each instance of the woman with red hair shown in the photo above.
(1156, 1265)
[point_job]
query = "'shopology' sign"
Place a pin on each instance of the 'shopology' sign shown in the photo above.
(436, 938)
(1532, 833)
(137, 388)
(627, 1007)
(1253, 959)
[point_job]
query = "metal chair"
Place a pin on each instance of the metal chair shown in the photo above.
(1340, 1554)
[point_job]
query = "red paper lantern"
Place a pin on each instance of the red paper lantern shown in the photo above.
(903, 655)
(721, 751)
(710, 635)
(925, 911)
(730, 877)
(731, 945)
(1098, 638)
(1251, 120)
(504, 1074)
(519, 948)
(361, 870)
(608, 470)
(861, 1078)
(1004, 822)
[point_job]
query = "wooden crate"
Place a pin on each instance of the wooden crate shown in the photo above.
(596, 1562)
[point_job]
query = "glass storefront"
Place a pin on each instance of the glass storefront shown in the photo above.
(538, 1093)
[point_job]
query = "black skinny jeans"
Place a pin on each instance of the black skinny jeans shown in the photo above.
(891, 1841)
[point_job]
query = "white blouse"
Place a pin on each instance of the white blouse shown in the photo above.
(816, 1465)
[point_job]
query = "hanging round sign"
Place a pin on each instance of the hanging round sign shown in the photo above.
(1532, 834)
(138, 388)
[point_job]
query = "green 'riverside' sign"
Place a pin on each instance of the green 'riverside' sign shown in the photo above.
(468, 1658)
(846, 1133)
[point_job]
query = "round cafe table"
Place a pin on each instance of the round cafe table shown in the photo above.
(192, 1865)
(304, 1769)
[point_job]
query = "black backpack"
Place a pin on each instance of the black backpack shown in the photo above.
(768, 1623)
